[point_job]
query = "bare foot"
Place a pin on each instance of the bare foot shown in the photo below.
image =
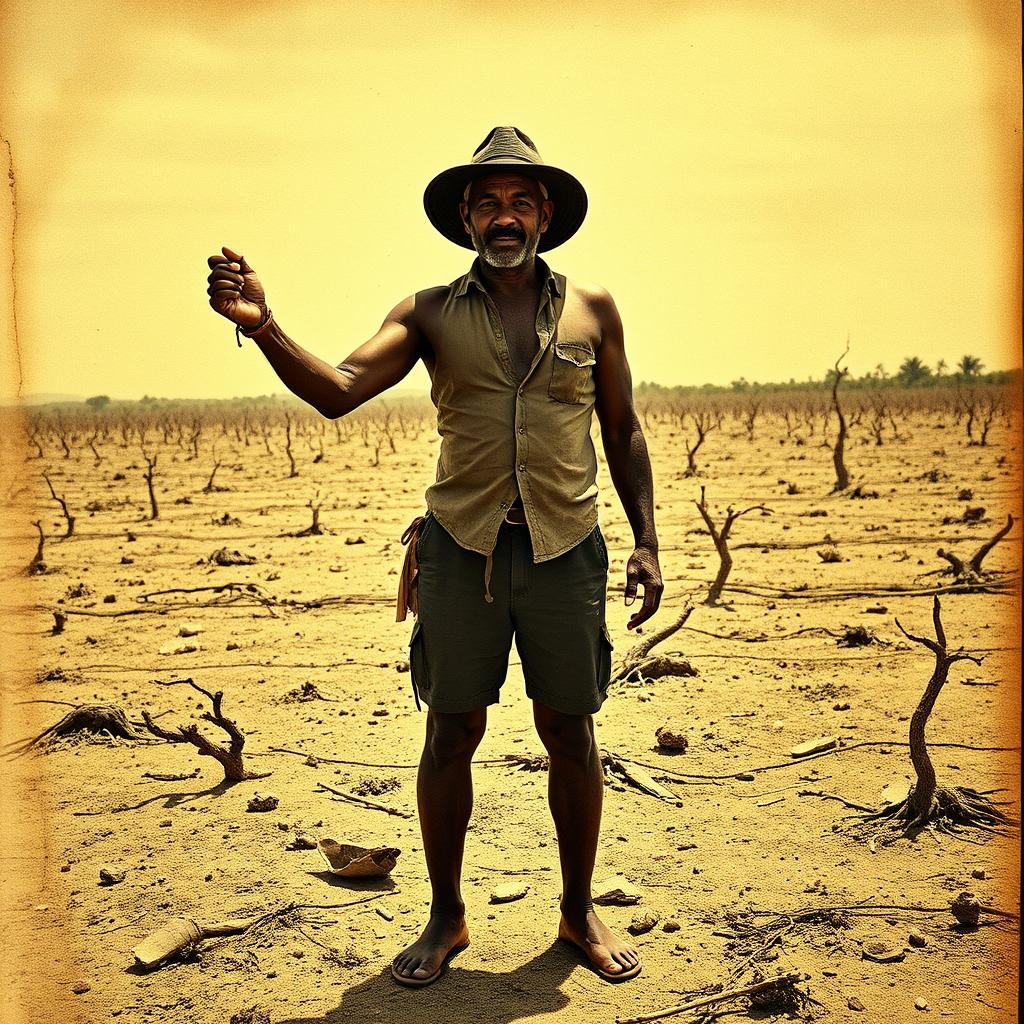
(607, 952)
(443, 933)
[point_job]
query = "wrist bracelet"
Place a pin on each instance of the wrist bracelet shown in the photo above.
(239, 330)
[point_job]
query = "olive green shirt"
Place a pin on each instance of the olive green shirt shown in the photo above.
(501, 436)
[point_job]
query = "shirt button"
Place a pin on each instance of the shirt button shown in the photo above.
(522, 430)
(522, 467)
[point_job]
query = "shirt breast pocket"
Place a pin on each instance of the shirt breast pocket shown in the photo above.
(572, 372)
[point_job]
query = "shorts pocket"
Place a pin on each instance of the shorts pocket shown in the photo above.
(418, 664)
(571, 372)
(602, 548)
(604, 672)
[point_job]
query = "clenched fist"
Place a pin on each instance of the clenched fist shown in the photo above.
(235, 290)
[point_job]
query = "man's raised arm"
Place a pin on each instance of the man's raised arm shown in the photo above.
(376, 365)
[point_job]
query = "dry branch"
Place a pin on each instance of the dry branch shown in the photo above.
(230, 757)
(721, 540)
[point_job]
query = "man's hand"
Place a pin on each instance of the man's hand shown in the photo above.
(643, 569)
(235, 290)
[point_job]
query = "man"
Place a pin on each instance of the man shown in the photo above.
(519, 358)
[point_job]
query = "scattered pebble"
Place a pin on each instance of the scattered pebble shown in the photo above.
(882, 952)
(643, 922)
(855, 1004)
(671, 738)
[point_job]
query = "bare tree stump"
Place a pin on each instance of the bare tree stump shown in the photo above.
(972, 572)
(90, 718)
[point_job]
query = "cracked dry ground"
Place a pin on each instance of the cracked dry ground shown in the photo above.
(191, 848)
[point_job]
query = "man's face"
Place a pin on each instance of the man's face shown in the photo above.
(505, 216)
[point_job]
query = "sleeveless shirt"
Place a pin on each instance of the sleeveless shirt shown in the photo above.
(501, 435)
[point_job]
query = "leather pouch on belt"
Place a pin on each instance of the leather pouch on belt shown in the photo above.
(408, 593)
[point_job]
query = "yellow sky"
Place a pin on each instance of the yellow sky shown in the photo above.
(764, 178)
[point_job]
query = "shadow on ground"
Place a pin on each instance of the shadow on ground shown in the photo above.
(459, 995)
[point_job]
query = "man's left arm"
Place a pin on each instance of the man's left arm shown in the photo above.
(628, 462)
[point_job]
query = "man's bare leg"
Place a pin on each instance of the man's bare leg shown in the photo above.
(575, 794)
(444, 793)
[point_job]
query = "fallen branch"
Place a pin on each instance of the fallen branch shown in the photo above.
(181, 932)
(638, 656)
(783, 980)
(365, 803)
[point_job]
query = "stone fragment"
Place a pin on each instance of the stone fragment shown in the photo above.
(111, 876)
(671, 738)
(616, 891)
(643, 922)
(509, 893)
(855, 1004)
(917, 939)
(881, 952)
(921, 1004)
(815, 746)
(966, 908)
(671, 925)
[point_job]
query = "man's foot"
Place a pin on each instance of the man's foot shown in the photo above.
(612, 957)
(421, 963)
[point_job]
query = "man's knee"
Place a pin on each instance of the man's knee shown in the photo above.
(570, 736)
(454, 737)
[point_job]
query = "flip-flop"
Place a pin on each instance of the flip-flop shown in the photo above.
(420, 982)
(625, 975)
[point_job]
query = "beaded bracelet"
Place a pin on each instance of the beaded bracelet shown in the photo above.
(239, 330)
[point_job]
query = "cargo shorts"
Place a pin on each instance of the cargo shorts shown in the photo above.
(555, 610)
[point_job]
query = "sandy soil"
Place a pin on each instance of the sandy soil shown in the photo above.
(191, 848)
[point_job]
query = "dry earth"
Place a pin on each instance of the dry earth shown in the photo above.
(191, 848)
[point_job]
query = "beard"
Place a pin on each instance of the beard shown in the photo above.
(501, 256)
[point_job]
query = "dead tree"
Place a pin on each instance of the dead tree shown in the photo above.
(70, 529)
(314, 529)
(926, 801)
(148, 475)
(230, 757)
(92, 445)
(750, 414)
(33, 438)
(702, 423)
(842, 476)
(210, 485)
(288, 445)
(721, 539)
(37, 565)
(972, 572)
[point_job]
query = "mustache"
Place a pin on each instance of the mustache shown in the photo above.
(496, 233)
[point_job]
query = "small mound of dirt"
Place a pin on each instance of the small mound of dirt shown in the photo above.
(374, 785)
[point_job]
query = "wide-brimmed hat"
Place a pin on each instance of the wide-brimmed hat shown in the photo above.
(506, 148)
